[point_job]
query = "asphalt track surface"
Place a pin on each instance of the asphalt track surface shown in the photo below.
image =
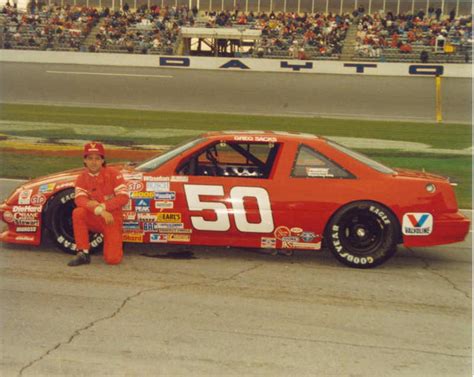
(410, 98)
(232, 312)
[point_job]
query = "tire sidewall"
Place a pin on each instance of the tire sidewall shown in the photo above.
(388, 244)
(53, 221)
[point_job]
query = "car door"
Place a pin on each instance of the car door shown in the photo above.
(231, 196)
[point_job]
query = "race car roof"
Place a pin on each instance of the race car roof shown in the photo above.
(264, 136)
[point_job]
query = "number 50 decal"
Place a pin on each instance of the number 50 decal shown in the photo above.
(237, 195)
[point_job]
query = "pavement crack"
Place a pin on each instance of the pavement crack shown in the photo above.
(339, 343)
(428, 268)
(79, 331)
(240, 273)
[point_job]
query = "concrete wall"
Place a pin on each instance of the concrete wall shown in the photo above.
(244, 64)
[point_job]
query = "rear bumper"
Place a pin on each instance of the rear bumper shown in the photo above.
(447, 228)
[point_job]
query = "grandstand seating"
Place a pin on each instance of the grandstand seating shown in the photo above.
(283, 35)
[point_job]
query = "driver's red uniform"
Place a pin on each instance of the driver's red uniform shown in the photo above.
(108, 187)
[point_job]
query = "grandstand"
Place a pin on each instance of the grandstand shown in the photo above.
(385, 30)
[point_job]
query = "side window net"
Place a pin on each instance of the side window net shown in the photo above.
(312, 164)
(229, 159)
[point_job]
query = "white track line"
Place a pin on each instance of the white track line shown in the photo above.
(110, 74)
(12, 180)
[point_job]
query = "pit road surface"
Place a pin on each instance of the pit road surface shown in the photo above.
(355, 96)
(234, 312)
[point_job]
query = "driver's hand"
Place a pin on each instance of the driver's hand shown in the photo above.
(107, 216)
(91, 204)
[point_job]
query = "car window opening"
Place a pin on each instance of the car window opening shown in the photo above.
(312, 164)
(232, 159)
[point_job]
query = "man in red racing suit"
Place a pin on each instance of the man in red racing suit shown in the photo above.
(100, 195)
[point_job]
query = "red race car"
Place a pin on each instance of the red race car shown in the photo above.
(272, 190)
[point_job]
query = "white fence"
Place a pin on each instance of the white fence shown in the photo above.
(244, 65)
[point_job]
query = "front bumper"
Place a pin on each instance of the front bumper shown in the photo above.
(19, 230)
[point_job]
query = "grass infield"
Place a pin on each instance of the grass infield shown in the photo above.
(440, 136)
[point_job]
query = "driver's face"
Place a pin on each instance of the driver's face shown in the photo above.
(94, 162)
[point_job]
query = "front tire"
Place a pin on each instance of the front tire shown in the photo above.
(363, 234)
(58, 220)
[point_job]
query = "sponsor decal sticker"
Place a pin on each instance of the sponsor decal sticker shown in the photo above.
(268, 243)
(179, 237)
(49, 187)
(296, 230)
(133, 176)
(170, 195)
(142, 205)
(158, 186)
(179, 178)
(417, 224)
(318, 172)
(282, 231)
(26, 229)
(24, 209)
(26, 221)
(150, 227)
(307, 245)
(24, 238)
(265, 139)
(148, 178)
(8, 216)
(129, 216)
(130, 225)
(307, 236)
(175, 230)
(38, 199)
(156, 237)
(164, 204)
(132, 237)
(166, 217)
(169, 225)
(134, 186)
(25, 197)
(147, 217)
(142, 195)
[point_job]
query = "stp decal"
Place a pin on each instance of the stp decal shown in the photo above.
(417, 224)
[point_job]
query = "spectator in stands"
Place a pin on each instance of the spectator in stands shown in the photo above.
(405, 48)
(424, 56)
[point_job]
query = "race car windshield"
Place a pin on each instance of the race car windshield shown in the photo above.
(156, 162)
(362, 158)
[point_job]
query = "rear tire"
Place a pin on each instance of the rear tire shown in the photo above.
(363, 234)
(58, 220)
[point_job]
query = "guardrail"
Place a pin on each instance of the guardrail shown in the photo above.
(240, 64)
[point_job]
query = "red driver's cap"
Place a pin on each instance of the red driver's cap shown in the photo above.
(94, 147)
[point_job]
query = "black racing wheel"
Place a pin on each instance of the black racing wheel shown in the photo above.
(363, 234)
(58, 220)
